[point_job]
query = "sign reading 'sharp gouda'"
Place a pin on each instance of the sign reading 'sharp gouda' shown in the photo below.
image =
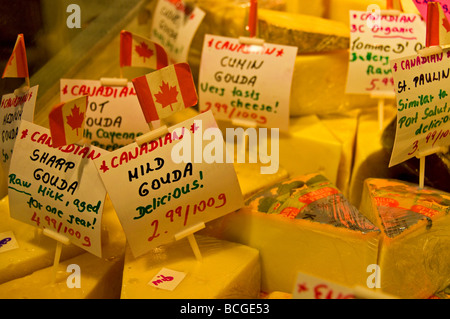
(56, 188)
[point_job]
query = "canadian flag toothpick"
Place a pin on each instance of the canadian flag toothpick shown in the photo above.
(138, 51)
(66, 121)
(17, 66)
(166, 91)
(438, 27)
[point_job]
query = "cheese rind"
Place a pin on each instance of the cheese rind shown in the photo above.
(303, 224)
(227, 271)
(415, 254)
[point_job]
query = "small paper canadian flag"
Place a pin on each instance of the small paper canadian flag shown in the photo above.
(66, 121)
(438, 27)
(138, 51)
(17, 66)
(166, 91)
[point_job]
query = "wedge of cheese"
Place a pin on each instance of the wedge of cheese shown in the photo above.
(99, 278)
(303, 224)
(370, 159)
(226, 271)
(414, 257)
(311, 8)
(35, 250)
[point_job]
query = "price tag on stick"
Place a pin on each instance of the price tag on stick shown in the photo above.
(423, 114)
(171, 183)
(246, 82)
(56, 188)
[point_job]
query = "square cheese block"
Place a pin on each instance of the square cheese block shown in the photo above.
(35, 250)
(226, 271)
(414, 257)
(370, 158)
(343, 127)
(303, 224)
(309, 146)
(100, 278)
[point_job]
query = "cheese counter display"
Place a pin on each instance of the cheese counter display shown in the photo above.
(258, 177)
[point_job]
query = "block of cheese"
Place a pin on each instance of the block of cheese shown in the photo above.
(303, 224)
(310, 147)
(226, 271)
(100, 278)
(35, 250)
(251, 180)
(370, 159)
(307, 147)
(338, 10)
(318, 85)
(343, 127)
(312, 8)
(309, 33)
(414, 257)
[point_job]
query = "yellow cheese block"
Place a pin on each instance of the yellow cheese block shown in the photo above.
(338, 10)
(308, 33)
(303, 224)
(343, 127)
(370, 159)
(414, 257)
(251, 180)
(307, 147)
(226, 271)
(35, 250)
(99, 277)
(310, 147)
(318, 85)
(312, 8)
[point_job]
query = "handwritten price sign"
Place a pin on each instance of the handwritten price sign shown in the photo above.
(107, 124)
(423, 117)
(246, 82)
(166, 185)
(56, 188)
(310, 287)
(13, 109)
(375, 41)
(174, 26)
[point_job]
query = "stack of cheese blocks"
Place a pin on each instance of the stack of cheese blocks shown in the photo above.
(303, 218)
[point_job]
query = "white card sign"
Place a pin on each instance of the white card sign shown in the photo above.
(423, 113)
(113, 117)
(174, 26)
(311, 287)
(170, 184)
(375, 40)
(167, 279)
(56, 188)
(8, 241)
(13, 109)
(246, 82)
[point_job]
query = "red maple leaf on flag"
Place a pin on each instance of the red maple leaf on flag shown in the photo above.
(144, 51)
(75, 120)
(167, 95)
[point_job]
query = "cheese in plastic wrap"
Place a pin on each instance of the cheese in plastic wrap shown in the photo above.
(414, 256)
